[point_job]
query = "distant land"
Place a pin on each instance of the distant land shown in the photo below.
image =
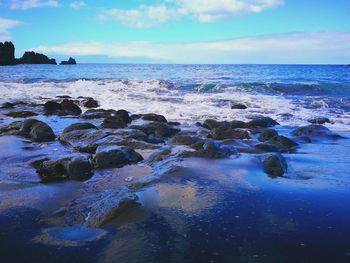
(7, 57)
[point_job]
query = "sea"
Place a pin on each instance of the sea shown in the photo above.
(208, 210)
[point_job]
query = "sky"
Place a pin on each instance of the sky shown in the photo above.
(181, 31)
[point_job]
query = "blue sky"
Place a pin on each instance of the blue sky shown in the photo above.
(181, 31)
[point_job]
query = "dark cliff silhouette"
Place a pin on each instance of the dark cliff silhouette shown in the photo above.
(7, 57)
(71, 61)
(7, 53)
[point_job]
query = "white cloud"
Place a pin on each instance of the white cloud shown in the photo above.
(77, 4)
(27, 4)
(5, 26)
(315, 47)
(143, 17)
(201, 10)
(209, 11)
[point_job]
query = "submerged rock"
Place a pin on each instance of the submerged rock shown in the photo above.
(314, 131)
(114, 156)
(267, 135)
(319, 120)
(21, 114)
(238, 106)
(283, 143)
(267, 147)
(275, 165)
(181, 139)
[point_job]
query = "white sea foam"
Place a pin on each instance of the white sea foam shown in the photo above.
(176, 104)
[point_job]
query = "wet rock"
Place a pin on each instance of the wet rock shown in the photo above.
(66, 107)
(212, 124)
(113, 123)
(154, 117)
(70, 108)
(158, 129)
(212, 149)
(319, 120)
(124, 115)
(63, 97)
(90, 103)
(237, 124)
(283, 143)
(267, 147)
(275, 165)
(37, 131)
(78, 168)
(159, 155)
(113, 156)
(314, 132)
(261, 122)
(11, 129)
(80, 126)
(238, 106)
(226, 132)
(86, 140)
(7, 105)
(267, 135)
(181, 139)
(98, 114)
(174, 123)
(21, 114)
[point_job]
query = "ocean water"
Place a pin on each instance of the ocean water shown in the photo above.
(292, 94)
(207, 210)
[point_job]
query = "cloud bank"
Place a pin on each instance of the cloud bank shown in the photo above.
(28, 4)
(5, 26)
(298, 48)
(200, 10)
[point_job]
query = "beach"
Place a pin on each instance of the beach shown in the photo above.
(176, 163)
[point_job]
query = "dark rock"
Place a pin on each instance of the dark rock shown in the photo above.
(113, 123)
(7, 54)
(314, 131)
(123, 115)
(86, 140)
(267, 135)
(78, 168)
(21, 114)
(262, 122)
(212, 124)
(7, 105)
(157, 129)
(267, 147)
(174, 123)
(275, 165)
(90, 103)
(70, 61)
(184, 139)
(80, 126)
(212, 149)
(113, 156)
(63, 97)
(37, 131)
(320, 120)
(30, 57)
(226, 132)
(69, 108)
(154, 117)
(237, 124)
(98, 114)
(52, 107)
(12, 128)
(283, 143)
(238, 106)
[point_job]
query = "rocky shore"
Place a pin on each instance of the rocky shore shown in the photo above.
(91, 140)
